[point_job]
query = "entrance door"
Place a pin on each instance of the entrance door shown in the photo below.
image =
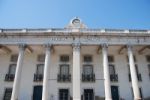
(114, 92)
(37, 93)
(63, 94)
(88, 94)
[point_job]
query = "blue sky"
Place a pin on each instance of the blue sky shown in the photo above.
(123, 14)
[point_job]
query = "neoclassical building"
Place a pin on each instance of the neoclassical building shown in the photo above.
(74, 63)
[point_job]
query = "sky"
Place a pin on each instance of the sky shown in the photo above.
(113, 14)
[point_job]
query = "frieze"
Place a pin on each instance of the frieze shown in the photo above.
(73, 39)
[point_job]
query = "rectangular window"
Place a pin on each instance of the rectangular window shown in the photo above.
(7, 94)
(12, 69)
(63, 94)
(148, 58)
(14, 58)
(110, 58)
(111, 69)
(140, 89)
(88, 58)
(149, 68)
(41, 58)
(64, 69)
(64, 58)
(40, 69)
(87, 69)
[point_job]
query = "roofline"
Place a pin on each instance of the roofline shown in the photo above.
(69, 30)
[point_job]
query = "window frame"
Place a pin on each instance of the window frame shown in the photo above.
(88, 61)
(62, 58)
(14, 58)
(6, 89)
(41, 58)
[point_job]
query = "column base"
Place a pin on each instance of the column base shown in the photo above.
(137, 99)
(108, 99)
(76, 99)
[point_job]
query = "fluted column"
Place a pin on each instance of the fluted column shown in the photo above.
(16, 85)
(106, 73)
(76, 72)
(45, 91)
(134, 78)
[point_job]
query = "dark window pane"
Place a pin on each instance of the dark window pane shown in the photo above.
(110, 58)
(7, 94)
(14, 58)
(41, 58)
(87, 58)
(64, 58)
(148, 58)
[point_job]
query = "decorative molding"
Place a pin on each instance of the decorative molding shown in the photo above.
(143, 48)
(121, 49)
(5, 49)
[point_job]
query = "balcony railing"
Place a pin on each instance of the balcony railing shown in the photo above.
(63, 78)
(38, 77)
(9, 77)
(138, 76)
(88, 78)
(114, 77)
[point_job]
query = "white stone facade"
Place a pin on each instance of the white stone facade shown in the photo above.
(76, 42)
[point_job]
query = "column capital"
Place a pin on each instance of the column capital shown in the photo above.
(129, 46)
(76, 46)
(105, 45)
(22, 46)
(48, 46)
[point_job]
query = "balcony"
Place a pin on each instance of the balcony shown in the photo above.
(63, 78)
(138, 76)
(114, 78)
(38, 77)
(88, 78)
(9, 77)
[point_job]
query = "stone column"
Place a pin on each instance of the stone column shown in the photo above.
(134, 78)
(106, 73)
(16, 85)
(76, 72)
(46, 73)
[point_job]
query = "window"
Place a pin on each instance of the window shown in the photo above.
(148, 58)
(40, 69)
(87, 69)
(110, 58)
(7, 94)
(133, 58)
(111, 69)
(64, 69)
(63, 94)
(14, 58)
(87, 58)
(88, 94)
(149, 68)
(140, 89)
(12, 69)
(41, 58)
(64, 58)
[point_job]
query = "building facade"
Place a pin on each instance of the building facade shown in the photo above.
(74, 63)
